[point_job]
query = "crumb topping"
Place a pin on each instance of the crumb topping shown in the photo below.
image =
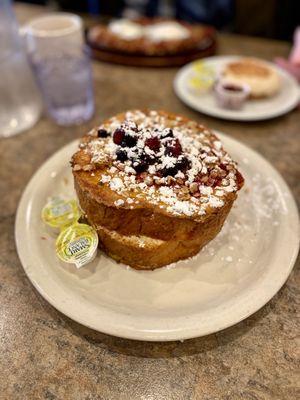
(177, 165)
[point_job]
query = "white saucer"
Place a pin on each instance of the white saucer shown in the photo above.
(235, 275)
(253, 110)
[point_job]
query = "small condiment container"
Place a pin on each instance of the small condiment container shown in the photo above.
(59, 213)
(77, 244)
(202, 78)
(231, 95)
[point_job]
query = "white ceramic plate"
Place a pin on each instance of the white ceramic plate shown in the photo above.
(253, 110)
(230, 279)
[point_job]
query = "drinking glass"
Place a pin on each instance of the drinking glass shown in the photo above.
(20, 103)
(62, 66)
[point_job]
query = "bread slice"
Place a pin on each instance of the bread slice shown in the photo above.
(262, 79)
(143, 252)
(181, 196)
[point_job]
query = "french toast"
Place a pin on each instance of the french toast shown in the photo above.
(157, 176)
(149, 36)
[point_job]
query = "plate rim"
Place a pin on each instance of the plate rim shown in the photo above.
(238, 117)
(165, 334)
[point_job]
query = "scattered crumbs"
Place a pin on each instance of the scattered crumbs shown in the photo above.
(53, 174)
(43, 238)
(119, 202)
(228, 259)
(92, 174)
(250, 262)
(275, 223)
(230, 247)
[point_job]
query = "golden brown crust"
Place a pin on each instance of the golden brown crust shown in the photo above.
(157, 253)
(100, 36)
(147, 221)
(169, 236)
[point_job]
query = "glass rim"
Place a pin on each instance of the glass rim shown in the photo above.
(74, 21)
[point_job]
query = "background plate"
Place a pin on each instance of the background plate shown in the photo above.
(235, 275)
(253, 110)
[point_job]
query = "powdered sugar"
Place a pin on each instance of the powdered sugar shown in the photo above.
(186, 167)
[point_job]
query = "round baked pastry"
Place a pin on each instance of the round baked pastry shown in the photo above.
(262, 79)
(150, 37)
(156, 186)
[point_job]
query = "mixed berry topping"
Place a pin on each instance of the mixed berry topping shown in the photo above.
(142, 148)
(159, 152)
(173, 162)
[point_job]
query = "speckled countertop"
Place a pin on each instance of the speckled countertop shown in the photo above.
(45, 355)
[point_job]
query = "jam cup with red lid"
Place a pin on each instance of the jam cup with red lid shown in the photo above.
(231, 95)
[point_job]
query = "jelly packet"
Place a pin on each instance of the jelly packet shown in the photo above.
(59, 213)
(202, 78)
(77, 244)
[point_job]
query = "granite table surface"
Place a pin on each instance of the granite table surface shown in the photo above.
(45, 355)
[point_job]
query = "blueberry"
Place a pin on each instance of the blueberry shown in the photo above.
(128, 141)
(121, 155)
(140, 167)
(168, 133)
(149, 160)
(183, 163)
(169, 171)
(102, 133)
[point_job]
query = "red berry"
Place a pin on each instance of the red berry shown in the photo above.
(118, 136)
(173, 148)
(153, 143)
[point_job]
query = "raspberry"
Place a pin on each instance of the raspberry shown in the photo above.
(153, 143)
(173, 148)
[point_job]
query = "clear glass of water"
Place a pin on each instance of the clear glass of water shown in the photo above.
(62, 67)
(20, 103)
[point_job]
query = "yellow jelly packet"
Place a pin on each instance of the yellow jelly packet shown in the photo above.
(59, 213)
(77, 244)
(202, 77)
